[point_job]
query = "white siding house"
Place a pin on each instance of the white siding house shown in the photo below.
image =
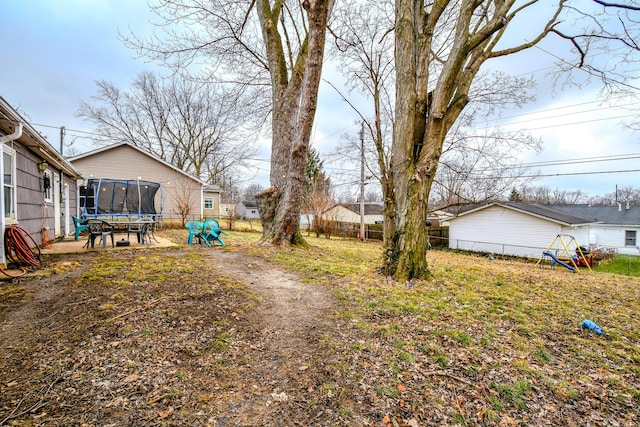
(514, 229)
(617, 228)
(350, 213)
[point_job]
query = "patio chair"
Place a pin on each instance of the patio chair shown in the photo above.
(99, 227)
(80, 225)
(211, 232)
(141, 228)
(195, 230)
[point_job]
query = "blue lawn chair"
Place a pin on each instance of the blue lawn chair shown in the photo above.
(195, 230)
(211, 232)
(80, 225)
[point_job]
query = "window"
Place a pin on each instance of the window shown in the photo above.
(47, 183)
(630, 238)
(9, 167)
(208, 202)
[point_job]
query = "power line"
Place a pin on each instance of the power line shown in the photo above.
(580, 173)
(549, 110)
(583, 160)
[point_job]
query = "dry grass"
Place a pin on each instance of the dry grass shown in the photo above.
(510, 328)
(174, 339)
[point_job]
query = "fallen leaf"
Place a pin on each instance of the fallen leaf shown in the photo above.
(131, 377)
(507, 421)
(165, 413)
(402, 387)
(386, 420)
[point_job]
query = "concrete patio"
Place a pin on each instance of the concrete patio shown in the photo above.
(69, 245)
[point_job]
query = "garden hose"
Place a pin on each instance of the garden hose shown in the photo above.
(18, 250)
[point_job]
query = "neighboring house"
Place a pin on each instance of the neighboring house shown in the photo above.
(350, 213)
(519, 229)
(617, 226)
(227, 209)
(438, 218)
(39, 185)
(526, 229)
(247, 209)
(211, 203)
(127, 162)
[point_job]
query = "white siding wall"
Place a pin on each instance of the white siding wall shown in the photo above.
(502, 231)
(342, 214)
(580, 234)
(612, 236)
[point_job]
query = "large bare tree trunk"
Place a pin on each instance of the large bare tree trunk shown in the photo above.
(294, 107)
(424, 115)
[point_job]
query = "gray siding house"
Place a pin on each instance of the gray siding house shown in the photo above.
(247, 209)
(39, 185)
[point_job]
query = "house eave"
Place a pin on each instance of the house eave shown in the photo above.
(126, 144)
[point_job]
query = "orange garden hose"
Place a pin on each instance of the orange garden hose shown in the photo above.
(18, 249)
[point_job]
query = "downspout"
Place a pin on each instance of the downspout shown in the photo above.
(17, 133)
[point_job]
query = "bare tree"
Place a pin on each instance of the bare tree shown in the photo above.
(365, 47)
(271, 44)
(194, 126)
(475, 165)
(319, 201)
(439, 49)
(185, 203)
(625, 195)
(545, 195)
(251, 191)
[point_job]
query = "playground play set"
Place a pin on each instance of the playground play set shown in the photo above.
(569, 254)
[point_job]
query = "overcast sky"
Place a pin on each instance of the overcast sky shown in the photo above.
(55, 50)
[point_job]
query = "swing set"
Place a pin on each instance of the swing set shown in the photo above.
(569, 255)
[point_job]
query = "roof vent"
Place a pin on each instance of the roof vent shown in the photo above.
(619, 207)
(627, 207)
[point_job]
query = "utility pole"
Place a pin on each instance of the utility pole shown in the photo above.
(62, 133)
(362, 236)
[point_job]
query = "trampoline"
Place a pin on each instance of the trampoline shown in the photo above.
(117, 197)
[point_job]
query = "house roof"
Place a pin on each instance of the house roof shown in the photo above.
(612, 215)
(250, 203)
(146, 153)
(369, 208)
(540, 211)
(212, 188)
(32, 139)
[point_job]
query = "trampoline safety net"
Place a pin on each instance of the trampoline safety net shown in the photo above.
(115, 197)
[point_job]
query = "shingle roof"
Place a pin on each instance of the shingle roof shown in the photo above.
(613, 215)
(543, 211)
(250, 203)
(369, 208)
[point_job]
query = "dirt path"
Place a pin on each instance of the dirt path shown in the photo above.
(93, 347)
(285, 362)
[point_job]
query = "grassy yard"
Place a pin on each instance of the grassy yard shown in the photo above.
(622, 264)
(177, 336)
(506, 331)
